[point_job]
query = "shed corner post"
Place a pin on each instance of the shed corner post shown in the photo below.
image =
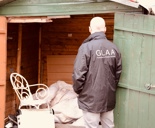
(3, 65)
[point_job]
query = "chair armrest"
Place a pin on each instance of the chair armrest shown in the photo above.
(42, 91)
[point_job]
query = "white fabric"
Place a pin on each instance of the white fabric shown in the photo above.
(63, 100)
(67, 111)
(79, 122)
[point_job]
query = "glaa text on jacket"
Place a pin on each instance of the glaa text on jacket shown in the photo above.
(105, 53)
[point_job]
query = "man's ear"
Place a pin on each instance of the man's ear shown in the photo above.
(105, 29)
(90, 30)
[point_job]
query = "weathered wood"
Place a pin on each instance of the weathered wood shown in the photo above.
(3, 2)
(136, 42)
(29, 19)
(60, 67)
(30, 50)
(29, 59)
(30, 8)
(3, 63)
(19, 48)
(19, 52)
(39, 57)
(136, 25)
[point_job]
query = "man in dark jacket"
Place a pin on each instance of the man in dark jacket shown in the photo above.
(97, 70)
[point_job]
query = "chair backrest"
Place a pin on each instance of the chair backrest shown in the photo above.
(21, 86)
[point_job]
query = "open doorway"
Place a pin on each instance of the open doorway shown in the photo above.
(40, 41)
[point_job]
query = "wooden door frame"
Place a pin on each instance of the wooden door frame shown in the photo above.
(3, 63)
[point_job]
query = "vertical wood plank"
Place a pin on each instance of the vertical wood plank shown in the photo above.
(123, 108)
(133, 109)
(143, 111)
(19, 48)
(153, 62)
(19, 52)
(146, 56)
(151, 113)
(152, 81)
(3, 58)
(39, 56)
(135, 54)
(117, 109)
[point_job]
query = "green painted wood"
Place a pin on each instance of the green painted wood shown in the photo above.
(137, 23)
(67, 7)
(121, 112)
(152, 79)
(3, 2)
(151, 112)
(135, 104)
(133, 109)
(143, 111)
(29, 2)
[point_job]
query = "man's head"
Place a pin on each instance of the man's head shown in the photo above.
(97, 24)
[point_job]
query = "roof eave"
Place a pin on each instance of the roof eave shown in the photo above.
(3, 2)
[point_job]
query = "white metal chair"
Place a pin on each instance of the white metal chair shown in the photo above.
(23, 91)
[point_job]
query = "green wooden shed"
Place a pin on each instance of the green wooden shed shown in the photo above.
(131, 25)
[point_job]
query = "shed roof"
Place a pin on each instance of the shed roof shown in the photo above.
(3, 2)
(62, 7)
(149, 5)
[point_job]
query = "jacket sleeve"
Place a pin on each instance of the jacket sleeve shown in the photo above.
(81, 65)
(118, 68)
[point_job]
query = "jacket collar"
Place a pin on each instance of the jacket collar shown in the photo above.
(95, 36)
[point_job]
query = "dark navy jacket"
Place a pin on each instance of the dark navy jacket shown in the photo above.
(96, 73)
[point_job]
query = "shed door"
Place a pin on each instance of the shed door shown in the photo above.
(3, 56)
(134, 34)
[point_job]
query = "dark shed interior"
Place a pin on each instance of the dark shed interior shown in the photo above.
(38, 40)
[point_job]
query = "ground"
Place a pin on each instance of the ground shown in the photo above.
(67, 126)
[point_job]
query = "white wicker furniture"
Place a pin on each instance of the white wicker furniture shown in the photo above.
(23, 91)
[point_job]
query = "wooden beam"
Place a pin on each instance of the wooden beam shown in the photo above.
(19, 50)
(29, 19)
(58, 17)
(39, 57)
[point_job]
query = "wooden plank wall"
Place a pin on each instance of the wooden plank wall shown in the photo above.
(61, 37)
(29, 59)
(64, 36)
(30, 47)
(12, 43)
(60, 67)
